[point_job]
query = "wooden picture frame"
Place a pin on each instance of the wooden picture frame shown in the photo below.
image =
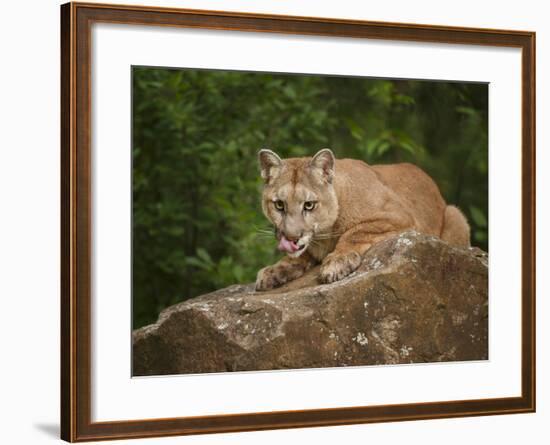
(76, 221)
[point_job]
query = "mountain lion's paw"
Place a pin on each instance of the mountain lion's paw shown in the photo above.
(270, 277)
(339, 265)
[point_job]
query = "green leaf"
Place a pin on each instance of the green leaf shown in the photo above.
(480, 236)
(466, 110)
(383, 147)
(371, 146)
(192, 261)
(356, 131)
(204, 255)
(478, 217)
(238, 272)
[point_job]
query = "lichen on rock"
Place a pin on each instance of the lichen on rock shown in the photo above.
(414, 299)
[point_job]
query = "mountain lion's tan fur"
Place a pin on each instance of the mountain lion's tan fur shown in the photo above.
(354, 206)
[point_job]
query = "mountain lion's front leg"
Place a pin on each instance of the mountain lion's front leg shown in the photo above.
(349, 250)
(285, 270)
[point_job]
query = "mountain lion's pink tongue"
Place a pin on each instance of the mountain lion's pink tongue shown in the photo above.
(287, 246)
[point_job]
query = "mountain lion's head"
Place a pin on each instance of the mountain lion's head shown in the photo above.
(299, 198)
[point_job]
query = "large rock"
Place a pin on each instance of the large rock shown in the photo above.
(414, 299)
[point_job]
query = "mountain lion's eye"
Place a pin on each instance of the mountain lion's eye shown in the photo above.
(309, 205)
(279, 205)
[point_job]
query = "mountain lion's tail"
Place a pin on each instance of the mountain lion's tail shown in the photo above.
(456, 229)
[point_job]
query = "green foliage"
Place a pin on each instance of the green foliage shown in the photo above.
(197, 221)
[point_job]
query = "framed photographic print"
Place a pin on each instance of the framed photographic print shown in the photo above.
(276, 222)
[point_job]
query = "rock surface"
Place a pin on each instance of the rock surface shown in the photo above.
(414, 299)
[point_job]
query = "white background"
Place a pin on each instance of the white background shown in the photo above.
(29, 235)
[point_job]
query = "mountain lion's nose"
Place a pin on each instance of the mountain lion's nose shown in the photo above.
(293, 239)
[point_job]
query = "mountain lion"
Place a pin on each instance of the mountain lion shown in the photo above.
(331, 211)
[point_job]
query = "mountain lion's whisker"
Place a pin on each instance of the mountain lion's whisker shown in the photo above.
(264, 235)
(327, 236)
(264, 231)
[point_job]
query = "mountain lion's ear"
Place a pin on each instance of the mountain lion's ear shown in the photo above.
(324, 162)
(270, 164)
